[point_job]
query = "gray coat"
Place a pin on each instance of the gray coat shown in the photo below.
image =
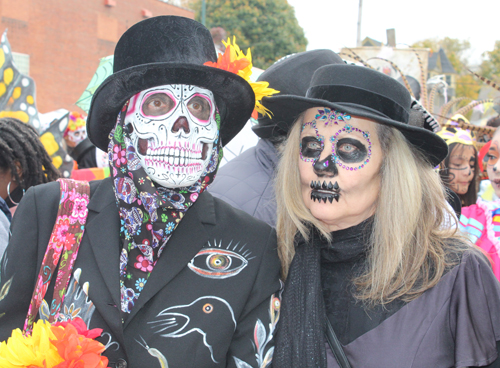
(246, 182)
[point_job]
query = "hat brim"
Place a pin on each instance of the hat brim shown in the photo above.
(234, 96)
(289, 107)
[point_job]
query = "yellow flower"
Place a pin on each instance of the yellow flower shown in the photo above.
(261, 90)
(237, 54)
(35, 350)
(234, 60)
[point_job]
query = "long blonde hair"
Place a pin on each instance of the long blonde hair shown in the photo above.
(408, 249)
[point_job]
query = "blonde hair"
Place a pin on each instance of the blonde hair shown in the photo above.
(410, 248)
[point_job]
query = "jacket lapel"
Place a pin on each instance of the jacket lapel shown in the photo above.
(187, 240)
(103, 233)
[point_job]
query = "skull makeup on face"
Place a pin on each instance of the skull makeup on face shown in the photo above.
(173, 129)
(76, 130)
(339, 165)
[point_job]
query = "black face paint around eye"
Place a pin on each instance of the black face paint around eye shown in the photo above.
(325, 191)
(345, 164)
(351, 150)
(310, 147)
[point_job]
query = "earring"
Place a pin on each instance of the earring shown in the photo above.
(8, 194)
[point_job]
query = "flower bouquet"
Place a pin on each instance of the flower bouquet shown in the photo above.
(61, 345)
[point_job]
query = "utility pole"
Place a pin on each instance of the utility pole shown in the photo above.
(358, 34)
(204, 11)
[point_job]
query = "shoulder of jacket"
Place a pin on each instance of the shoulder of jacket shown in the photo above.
(231, 216)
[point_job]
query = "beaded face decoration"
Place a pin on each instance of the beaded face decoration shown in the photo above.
(349, 153)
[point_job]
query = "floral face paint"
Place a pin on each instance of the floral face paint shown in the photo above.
(76, 130)
(349, 153)
(339, 163)
(461, 168)
(492, 164)
(173, 128)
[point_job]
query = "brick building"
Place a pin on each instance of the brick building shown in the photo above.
(60, 42)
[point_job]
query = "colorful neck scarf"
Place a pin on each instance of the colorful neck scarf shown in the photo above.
(148, 214)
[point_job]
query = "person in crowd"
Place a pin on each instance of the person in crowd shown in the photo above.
(24, 162)
(246, 182)
(373, 279)
(173, 276)
(5, 219)
(481, 221)
(460, 170)
(79, 145)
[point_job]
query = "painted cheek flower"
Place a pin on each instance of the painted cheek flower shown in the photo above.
(143, 264)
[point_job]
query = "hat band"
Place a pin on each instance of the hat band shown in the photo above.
(361, 97)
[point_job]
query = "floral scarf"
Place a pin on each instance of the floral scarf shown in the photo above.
(148, 213)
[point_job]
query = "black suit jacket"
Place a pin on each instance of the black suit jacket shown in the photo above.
(190, 313)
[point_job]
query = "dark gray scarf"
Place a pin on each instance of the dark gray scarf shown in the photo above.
(300, 340)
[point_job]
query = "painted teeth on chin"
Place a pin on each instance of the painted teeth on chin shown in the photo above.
(324, 196)
(318, 185)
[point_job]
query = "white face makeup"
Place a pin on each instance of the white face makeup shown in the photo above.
(493, 165)
(74, 137)
(173, 129)
(339, 167)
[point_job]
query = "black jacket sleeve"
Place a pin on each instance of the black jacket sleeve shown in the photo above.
(31, 228)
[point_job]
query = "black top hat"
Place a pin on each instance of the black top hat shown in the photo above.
(363, 92)
(168, 50)
(291, 76)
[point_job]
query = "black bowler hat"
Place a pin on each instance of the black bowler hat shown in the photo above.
(291, 76)
(363, 92)
(168, 50)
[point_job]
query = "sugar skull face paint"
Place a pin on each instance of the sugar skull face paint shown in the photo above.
(173, 128)
(339, 164)
(461, 168)
(76, 130)
(493, 165)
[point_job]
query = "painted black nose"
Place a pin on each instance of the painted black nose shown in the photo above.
(181, 123)
(326, 167)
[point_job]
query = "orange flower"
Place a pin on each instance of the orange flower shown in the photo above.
(81, 328)
(227, 62)
(77, 350)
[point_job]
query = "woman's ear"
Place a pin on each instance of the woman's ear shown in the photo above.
(19, 170)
